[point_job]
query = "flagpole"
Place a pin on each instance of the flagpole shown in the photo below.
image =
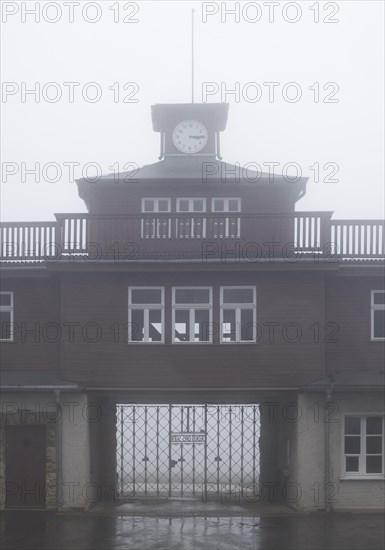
(192, 55)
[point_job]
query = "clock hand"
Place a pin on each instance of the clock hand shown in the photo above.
(196, 137)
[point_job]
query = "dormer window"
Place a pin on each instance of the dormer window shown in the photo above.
(191, 205)
(156, 205)
(226, 227)
(226, 205)
(156, 227)
(191, 227)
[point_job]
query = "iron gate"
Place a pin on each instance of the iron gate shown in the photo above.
(187, 450)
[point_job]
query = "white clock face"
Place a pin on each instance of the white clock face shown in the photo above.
(189, 136)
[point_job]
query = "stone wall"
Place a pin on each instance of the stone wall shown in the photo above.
(27, 408)
(339, 493)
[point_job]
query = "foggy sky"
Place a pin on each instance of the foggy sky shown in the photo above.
(154, 53)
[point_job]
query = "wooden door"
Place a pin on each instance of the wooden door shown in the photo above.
(25, 466)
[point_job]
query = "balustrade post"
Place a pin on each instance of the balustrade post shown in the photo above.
(326, 246)
(59, 236)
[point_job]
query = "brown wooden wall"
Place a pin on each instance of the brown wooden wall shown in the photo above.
(341, 336)
(281, 298)
(36, 318)
(348, 304)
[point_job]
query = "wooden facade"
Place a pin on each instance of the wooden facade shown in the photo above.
(67, 284)
(313, 275)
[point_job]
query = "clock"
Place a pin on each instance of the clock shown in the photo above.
(190, 136)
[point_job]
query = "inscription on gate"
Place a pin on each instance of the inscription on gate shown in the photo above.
(194, 438)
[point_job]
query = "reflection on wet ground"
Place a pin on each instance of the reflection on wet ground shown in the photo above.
(21, 530)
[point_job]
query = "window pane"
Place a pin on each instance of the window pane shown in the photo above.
(352, 464)
(5, 323)
(202, 325)
(155, 328)
(374, 425)
(148, 205)
(379, 298)
(198, 205)
(146, 296)
(182, 325)
(238, 296)
(183, 205)
(219, 205)
(247, 325)
(5, 299)
(374, 444)
(352, 425)
(379, 323)
(233, 205)
(163, 205)
(228, 325)
(352, 445)
(137, 326)
(192, 296)
(374, 464)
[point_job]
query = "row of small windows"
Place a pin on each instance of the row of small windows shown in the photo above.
(196, 204)
(192, 314)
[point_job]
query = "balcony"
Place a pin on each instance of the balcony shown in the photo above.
(139, 236)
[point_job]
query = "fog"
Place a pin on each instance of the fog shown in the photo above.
(304, 83)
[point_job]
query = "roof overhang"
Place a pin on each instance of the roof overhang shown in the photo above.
(166, 114)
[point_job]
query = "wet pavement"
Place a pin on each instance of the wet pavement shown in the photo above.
(182, 507)
(35, 530)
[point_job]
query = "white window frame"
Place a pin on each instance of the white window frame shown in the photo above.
(146, 320)
(188, 227)
(375, 307)
(238, 308)
(190, 201)
(156, 228)
(361, 474)
(8, 309)
(226, 200)
(192, 308)
(224, 229)
(156, 205)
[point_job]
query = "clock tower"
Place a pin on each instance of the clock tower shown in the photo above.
(190, 129)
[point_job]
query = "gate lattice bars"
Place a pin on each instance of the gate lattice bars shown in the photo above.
(187, 450)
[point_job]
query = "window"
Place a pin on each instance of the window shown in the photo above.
(158, 227)
(145, 314)
(378, 315)
(226, 226)
(6, 316)
(156, 205)
(363, 451)
(238, 314)
(192, 311)
(226, 205)
(191, 205)
(191, 227)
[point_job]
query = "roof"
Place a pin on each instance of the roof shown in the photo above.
(28, 379)
(349, 380)
(197, 167)
(186, 170)
(165, 114)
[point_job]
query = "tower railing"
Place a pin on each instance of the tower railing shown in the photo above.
(101, 235)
